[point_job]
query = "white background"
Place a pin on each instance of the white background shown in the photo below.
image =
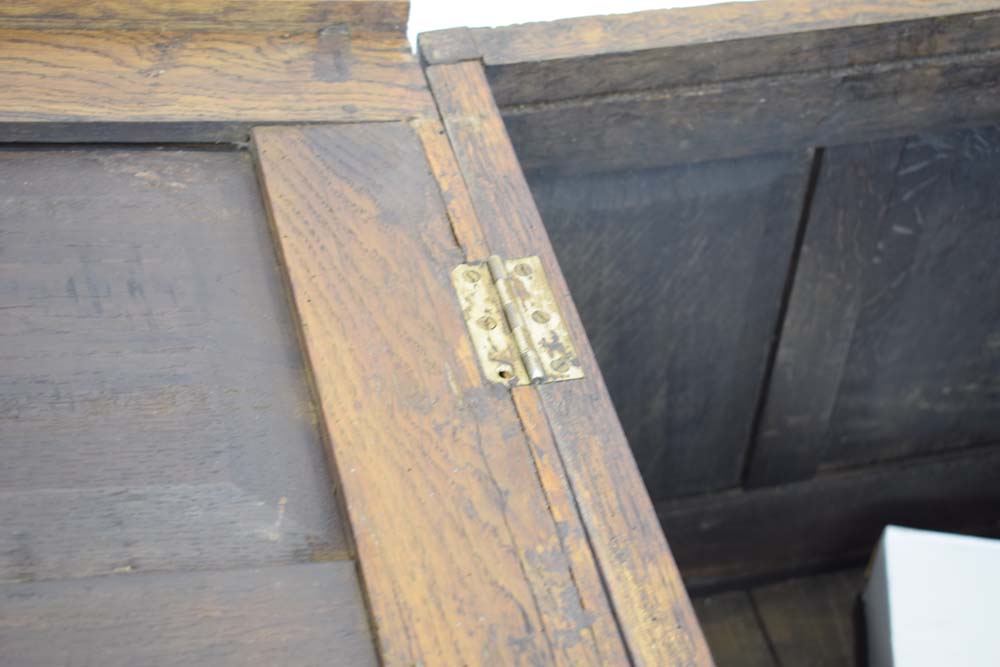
(427, 15)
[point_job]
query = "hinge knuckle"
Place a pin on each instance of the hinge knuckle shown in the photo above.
(514, 321)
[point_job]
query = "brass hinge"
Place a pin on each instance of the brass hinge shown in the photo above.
(514, 322)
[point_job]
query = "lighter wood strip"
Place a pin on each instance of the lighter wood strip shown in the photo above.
(639, 571)
(168, 77)
(461, 558)
(204, 14)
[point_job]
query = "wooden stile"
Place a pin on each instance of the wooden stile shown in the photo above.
(639, 573)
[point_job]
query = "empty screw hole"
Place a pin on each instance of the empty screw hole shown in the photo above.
(506, 374)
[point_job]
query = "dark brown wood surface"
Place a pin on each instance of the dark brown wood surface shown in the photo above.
(678, 276)
(891, 344)
(306, 614)
(673, 86)
(811, 621)
(641, 579)
(596, 55)
(757, 115)
(832, 519)
(733, 630)
(153, 404)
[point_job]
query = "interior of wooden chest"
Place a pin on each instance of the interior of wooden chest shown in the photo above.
(790, 280)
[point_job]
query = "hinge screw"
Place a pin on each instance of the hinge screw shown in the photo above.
(472, 276)
(540, 316)
(522, 270)
(487, 322)
(559, 365)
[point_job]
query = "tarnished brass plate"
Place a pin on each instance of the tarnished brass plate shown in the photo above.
(534, 312)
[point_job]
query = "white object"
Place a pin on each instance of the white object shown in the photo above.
(933, 599)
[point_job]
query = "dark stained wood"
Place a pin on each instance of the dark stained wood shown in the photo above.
(678, 275)
(459, 539)
(158, 85)
(691, 84)
(153, 404)
(748, 116)
(823, 308)
(596, 55)
(891, 345)
(733, 630)
(638, 570)
(836, 518)
(810, 621)
(310, 614)
(205, 14)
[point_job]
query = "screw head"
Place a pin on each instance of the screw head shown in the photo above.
(522, 269)
(560, 365)
(487, 322)
(540, 316)
(472, 276)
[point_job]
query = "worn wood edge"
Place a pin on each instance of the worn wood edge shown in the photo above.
(197, 15)
(847, 106)
(799, 520)
(468, 235)
(570, 38)
(148, 85)
(654, 614)
(235, 133)
(606, 629)
(448, 46)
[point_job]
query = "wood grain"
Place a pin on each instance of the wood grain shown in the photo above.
(733, 630)
(823, 310)
(833, 519)
(638, 570)
(757, 115)
(143, 85)
(461, 213)
(891, 346)
(153, 403)
(309, 614)
(678, 275)
(811, 620)
(595, 55)
(463, 560)
(205, 14)
(562, 505)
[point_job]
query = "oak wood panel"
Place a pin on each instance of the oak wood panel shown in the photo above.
(815, 338)
(154, 409)
(596, 55)
(648, 597)
(733, 630)
(812, 620)
(678, 275)
(463, 560)
(757, 115)
(891, 345)
(152, 85)
(205, 14)
(832, 519)
(307, 614)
